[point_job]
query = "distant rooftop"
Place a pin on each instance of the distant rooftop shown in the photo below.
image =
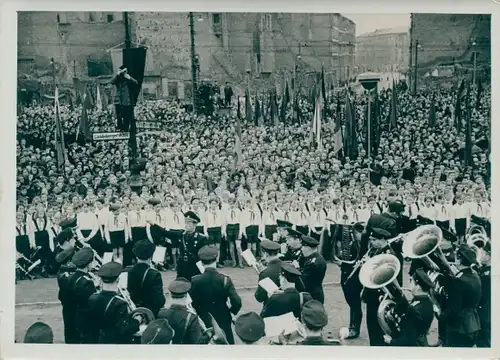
(394, 30)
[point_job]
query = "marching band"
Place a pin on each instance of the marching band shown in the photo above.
(291, 242)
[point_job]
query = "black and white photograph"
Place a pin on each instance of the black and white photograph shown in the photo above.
(252, 178)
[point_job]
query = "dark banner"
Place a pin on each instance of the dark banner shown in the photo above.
(134, 60)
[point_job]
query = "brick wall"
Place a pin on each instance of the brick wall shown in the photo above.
(448, 38)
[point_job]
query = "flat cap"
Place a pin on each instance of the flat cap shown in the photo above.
(359, 227)
(158, 331)
(396, 206)
(467, 255)
(63, 236)
(289, 270)
(144, 249)
(309, 241)
(68, 223)
(283, 224)
(250, 327)
(179, 287)
(65, 255)
(83, 257)
(109, 272)
(191, 216)
(39, 333)
(314, 314)
(269, 245)
(208, 253)
(154, 201)
(293, 233)
(422, 279)
(381, 233)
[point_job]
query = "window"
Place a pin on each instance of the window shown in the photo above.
(217, 25)
(62, 18)
(216, 18)
(110, 18)
(173, 89)
(91, 17)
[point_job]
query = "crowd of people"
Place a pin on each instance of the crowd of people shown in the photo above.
(189, 168)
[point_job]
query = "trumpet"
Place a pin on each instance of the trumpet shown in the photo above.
(477, 239)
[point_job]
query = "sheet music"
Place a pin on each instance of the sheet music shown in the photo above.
(249, 258)
(200, 266)
(268, 285)
(123, 280)
(276, 324)
(107, 257)
(159, 254)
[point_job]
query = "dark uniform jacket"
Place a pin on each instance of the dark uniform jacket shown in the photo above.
(65, 271)
(465, 293)
(186, 325)
(122, 91)
(81, 287)
(290, 300)
(209, 292)
(291, 255)
(272, 271)
(313, 273)
(318, 340)
(484, 309)
(418, 320)
(110, 318)
(145, 286)
(188, 244)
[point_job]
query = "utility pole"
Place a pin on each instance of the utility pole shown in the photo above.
(53, 73)
(133, 127)
(415, 80)
(410, 64)
(128, 43)
(474, 55)
(193, 61)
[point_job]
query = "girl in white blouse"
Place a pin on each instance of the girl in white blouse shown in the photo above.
(116, 231)
(461, 213)
(428, 211)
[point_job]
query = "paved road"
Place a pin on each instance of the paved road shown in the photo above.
(37, 301)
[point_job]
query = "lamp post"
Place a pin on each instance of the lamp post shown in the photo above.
(474, 60)
(369, 82)
(415, 80)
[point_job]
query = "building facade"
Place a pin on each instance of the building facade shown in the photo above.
(383, 50)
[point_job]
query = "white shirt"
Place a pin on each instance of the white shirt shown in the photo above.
(136, 218)
(87, 220)
(40, 224)
(444, 212)
(412, 210)
(116, 222)
(214, 218)
(364, 214)
(428, 212)
(334, 214)
(286, 215)
(174, 219)
(480, 209)
(251, 217)
(269, 217)
(317, 218)
(102, 215)
(300, 217)
(461, 211)
(232, 216)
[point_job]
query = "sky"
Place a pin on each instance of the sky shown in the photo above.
(370, 22)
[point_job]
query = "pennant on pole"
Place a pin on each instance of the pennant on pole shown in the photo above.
(98, 99)
(238, 157)
(59, 134)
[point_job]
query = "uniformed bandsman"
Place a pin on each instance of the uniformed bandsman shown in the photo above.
(288, 299)
(461, 317)
(144, 283)
(270, 251)
(282, 231)
(158, 332)
(185, 322)
(293, 247)
(250, 328)
(234, 231)
(484, 308)
(419, 315)
(313, 269)
(109, 312)
(116, 231)
(39, 333)
(210, 292)
(214, 222)
(81, 286)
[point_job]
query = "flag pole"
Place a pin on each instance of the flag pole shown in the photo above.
(368, 124)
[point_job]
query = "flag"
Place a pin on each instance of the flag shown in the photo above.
(98, 99)
(296, 108)
(351, 140)
(479, 94)
(376, 124)
(458, 107)
(274, 109)
(238, 157)
(393, 113)
(432, 114)
(248, 106)
(238, 112)
(468, 130)
(257, 112)
(338, 136)
(323, 93)
(84, 126)
(59, 135)
(283, 106)
(316, 126)
(79, 90)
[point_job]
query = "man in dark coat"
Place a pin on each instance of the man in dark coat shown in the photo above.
(124, 104)
(228, 95)
(210, 292)
(270, 251)
(313, 269)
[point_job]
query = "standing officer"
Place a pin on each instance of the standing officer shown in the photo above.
(351, 286)
(80, 286)
(145, 284)
(282, 227)
(66, 268)
(419, 315)
(124, 104)
(291, 248)
(185, 322)
(288, 299)
(460, 316)
(189, 244)
(270, 251)
(109, 311)
(314, 268)
(210, 292)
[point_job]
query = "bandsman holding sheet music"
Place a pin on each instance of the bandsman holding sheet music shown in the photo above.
(287, 298)
(210, 292)
(270, 251)
(313, 269)
(145, 284)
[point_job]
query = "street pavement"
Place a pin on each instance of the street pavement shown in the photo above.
(37, 301)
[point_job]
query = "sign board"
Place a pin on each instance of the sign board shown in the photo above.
(110, 136)
(149, 125)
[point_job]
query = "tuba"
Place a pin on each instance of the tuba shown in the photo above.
(346, 249)
(381, 272)
(477, 238)
(423, 243)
